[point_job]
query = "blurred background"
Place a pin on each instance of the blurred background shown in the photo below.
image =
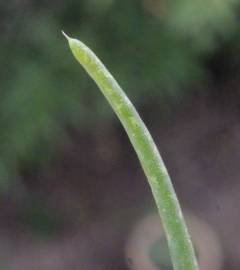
(72, 194)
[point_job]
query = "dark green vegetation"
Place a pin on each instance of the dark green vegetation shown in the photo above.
(158, 50)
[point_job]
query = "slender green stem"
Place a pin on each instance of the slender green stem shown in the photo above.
(179, 242)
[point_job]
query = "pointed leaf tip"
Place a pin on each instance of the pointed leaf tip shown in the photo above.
(65, 35)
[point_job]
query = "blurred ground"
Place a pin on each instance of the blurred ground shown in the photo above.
(96, 206)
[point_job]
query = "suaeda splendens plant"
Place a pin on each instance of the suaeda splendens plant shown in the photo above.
(179, 242)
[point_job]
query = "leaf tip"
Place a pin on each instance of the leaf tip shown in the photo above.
(65, 35)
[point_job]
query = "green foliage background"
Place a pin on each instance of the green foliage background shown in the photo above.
(156, 49)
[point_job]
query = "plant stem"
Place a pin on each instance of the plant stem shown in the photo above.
(180, 246)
